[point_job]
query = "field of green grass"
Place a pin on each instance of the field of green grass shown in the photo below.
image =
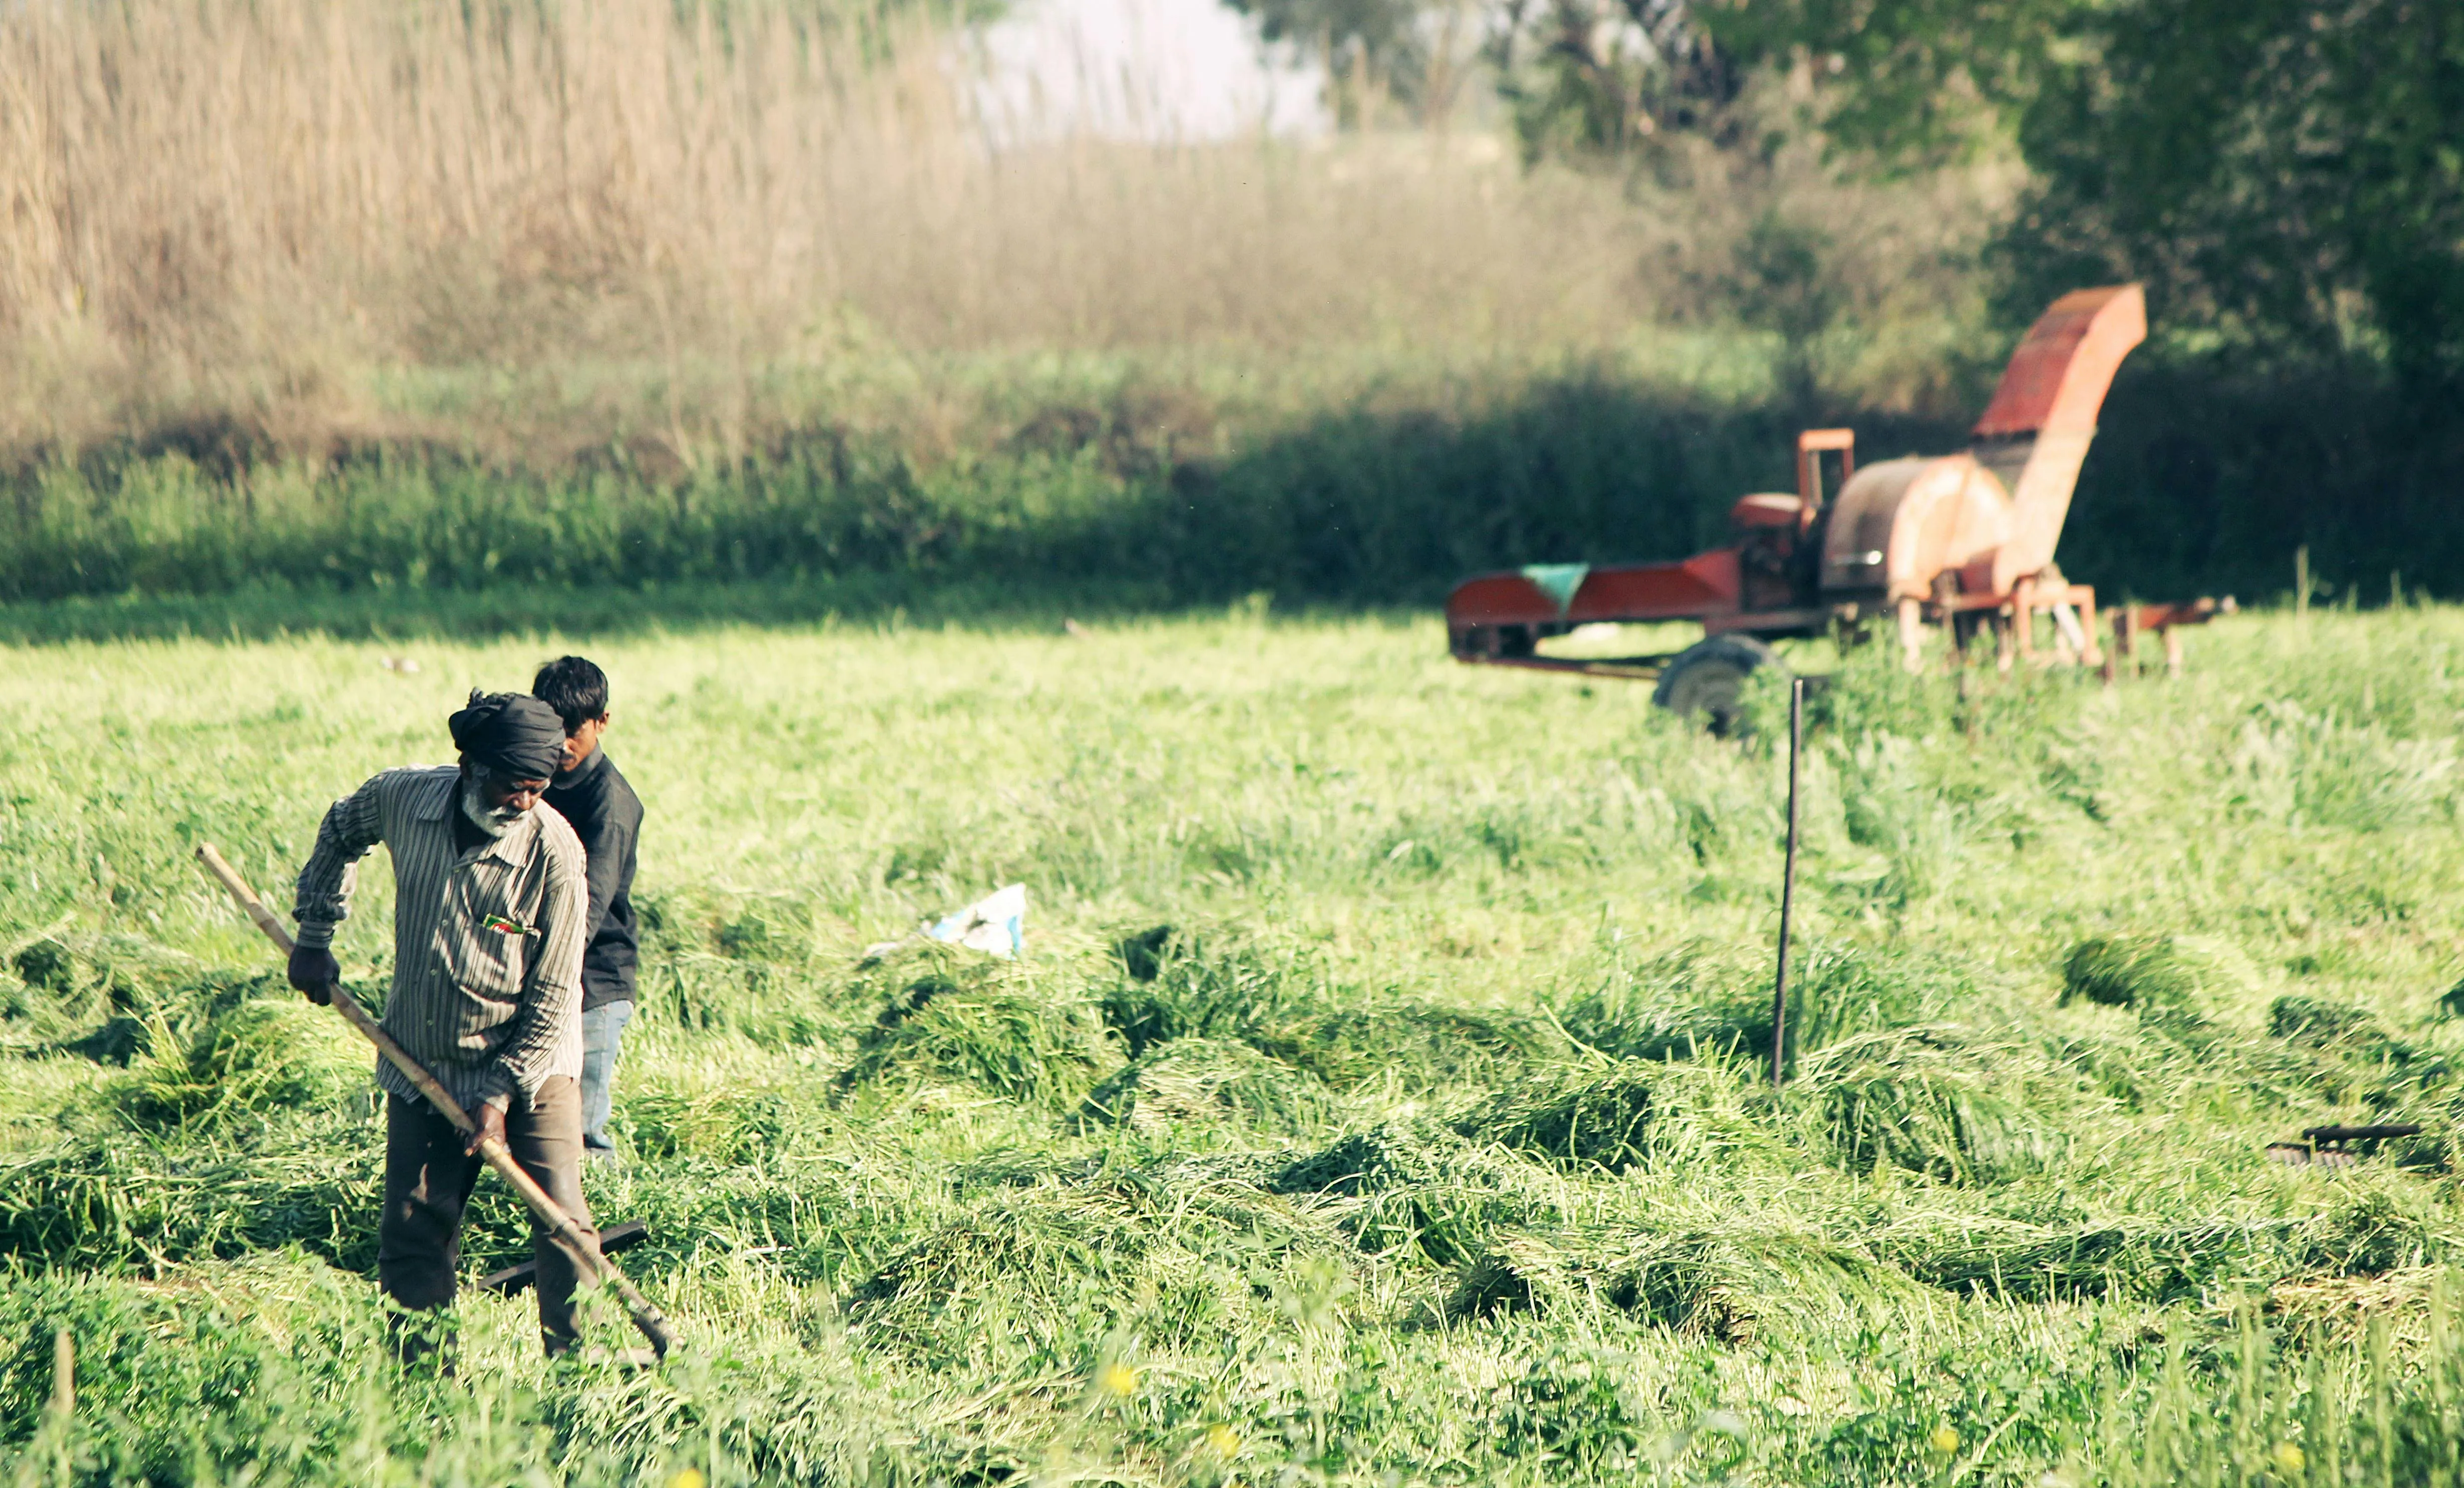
(1382, 1097)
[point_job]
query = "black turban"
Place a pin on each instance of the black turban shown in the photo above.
(516, 737)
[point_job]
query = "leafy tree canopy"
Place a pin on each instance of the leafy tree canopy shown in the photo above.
(2289, 173)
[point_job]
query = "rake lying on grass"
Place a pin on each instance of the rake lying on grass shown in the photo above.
(560, 1225)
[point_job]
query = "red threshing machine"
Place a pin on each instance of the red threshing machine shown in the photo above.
(1965, 541)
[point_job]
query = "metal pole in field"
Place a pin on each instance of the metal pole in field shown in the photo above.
(1788, 881)
(63, 1376)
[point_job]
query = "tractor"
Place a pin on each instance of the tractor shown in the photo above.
(1961, 540)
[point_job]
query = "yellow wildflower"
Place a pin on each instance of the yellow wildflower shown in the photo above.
(2288, 1456)
(1223, 1441)
(1944, 1440)
(1117, 1379)
(690, 1477)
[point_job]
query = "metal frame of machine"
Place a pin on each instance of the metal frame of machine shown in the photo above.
(1964, 541)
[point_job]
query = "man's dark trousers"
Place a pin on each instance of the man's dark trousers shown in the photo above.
(428, 1181)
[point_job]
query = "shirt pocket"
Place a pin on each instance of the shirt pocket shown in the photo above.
(485, 957)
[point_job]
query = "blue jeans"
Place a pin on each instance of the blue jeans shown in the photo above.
(603, 1035)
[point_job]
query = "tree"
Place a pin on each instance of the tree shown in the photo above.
(1374, 51)
(1599, 76)
(1915, 82)
(2286, 173)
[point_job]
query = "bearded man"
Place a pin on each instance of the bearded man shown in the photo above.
(491, 907)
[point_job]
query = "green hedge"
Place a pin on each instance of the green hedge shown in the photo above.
(2203, 481)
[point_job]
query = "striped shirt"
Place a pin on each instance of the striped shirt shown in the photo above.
(487, 965)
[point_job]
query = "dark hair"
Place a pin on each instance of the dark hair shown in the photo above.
(574, 687)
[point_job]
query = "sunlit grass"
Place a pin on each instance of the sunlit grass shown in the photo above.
(1383, 1092)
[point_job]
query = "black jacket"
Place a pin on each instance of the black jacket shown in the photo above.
(607, 816)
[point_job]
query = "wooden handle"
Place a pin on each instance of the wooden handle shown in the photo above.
(344, 1002)
(580, 1245)
(247, 897)
(551, 1215)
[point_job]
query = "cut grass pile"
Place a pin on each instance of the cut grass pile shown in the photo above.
(1383, 1095)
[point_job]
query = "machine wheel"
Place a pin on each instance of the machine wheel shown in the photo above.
(1709, 676)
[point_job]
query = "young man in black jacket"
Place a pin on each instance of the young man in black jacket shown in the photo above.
(605, 814)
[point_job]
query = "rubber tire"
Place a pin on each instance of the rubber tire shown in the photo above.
(1707, 677)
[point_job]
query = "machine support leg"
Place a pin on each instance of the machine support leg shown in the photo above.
(2023, 617)
(1911, 634)
(2094, 655)
(2172, 653)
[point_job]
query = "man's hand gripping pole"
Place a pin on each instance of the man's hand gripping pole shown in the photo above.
(551, 1214)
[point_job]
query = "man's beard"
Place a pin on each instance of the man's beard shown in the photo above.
(491, 820)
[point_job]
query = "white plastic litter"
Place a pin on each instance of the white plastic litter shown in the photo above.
(994, 924)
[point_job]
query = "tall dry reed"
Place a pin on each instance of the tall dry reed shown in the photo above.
(357, 218)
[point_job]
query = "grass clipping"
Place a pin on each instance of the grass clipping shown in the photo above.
(2161, 976)
(993, 1024)
(247, 1063)
(1573, 1118)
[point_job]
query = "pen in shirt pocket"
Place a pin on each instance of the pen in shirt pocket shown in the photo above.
(508, 927)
